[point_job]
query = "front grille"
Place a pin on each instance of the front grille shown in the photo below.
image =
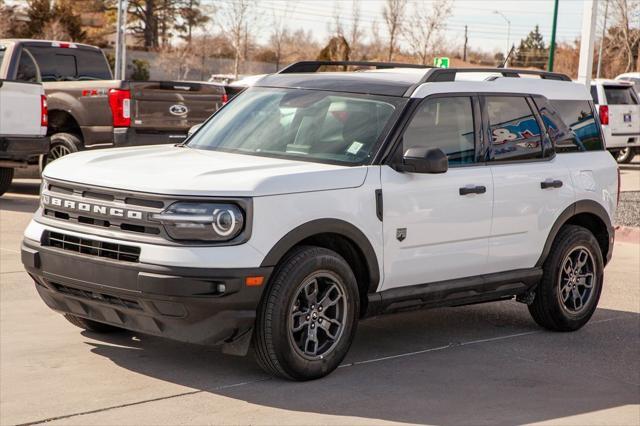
(101, 297)
(121, 252)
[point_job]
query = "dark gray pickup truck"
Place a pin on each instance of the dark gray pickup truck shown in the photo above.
(88, 109)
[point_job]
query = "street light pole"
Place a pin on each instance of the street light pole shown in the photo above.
(552, 46)
(121, 44)
(497, 12)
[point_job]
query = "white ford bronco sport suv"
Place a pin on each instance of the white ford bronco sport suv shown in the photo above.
(313, 200)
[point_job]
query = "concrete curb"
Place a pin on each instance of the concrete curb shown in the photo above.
(628, 234)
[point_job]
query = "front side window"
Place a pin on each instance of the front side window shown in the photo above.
(445, 123)
(309, 125)
(513, 129)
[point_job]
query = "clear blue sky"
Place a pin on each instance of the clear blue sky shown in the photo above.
(487, 30)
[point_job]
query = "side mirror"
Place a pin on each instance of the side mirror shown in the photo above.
(193, 129)
(425, 160)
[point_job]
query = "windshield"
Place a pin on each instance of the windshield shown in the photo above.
(300, 124)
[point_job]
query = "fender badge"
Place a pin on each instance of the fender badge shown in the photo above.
(401, 234)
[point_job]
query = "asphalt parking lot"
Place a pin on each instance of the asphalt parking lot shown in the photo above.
(480, 364)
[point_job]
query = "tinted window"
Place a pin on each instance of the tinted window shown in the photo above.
(69, 64)
(571, 124)
(27, 70)
(617, 95)
(92, 65)
(445, 123)
(515, 133)
(594, 94)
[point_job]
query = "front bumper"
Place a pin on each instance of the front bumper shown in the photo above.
(23, 150)
(195, 305)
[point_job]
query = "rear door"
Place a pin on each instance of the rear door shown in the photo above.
(531, 188)
(173, 105)
(436, 226)
(624, 111)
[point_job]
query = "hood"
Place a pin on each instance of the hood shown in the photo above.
(171, 170)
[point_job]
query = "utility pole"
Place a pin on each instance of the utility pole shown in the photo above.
(585, 67)
(552, 46)
(604, 32)
(464, 51)
(121, 42)
(497, 12)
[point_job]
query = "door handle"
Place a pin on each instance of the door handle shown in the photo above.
(466, 190)
(550, 183)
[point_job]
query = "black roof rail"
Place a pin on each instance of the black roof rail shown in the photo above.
(314, 66)
(449, 74)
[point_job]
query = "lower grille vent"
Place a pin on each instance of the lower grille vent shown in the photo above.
(97, 248)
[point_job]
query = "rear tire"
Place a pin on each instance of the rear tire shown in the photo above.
(308, 315)
(63, 144)
(89, 325)
(568, 293)
(6, 176)
(624, 156)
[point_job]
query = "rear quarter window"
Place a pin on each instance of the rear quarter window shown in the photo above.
(571, 124)
(594, 94)
(620, 95)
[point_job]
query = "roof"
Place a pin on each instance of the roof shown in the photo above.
(374, 83)
(393, 79)
(33, 42)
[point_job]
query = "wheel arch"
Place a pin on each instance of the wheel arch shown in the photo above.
(340, 236)
(590, 215)
(61, 121)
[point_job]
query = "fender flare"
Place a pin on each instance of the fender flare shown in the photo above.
(582, 206)
(323, 226)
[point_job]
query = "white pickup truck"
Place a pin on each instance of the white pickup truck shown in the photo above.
(23, 127)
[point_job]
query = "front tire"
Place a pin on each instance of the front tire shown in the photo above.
(6, 176)
(308, 316)
(568, 293)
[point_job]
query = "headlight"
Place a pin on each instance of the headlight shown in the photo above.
(202, 221)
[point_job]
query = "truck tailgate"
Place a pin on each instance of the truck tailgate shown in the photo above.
(173, 105)
(624, 111)
(20, 109)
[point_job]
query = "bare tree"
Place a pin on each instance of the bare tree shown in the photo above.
(355, 32)
(235, 19)
(279, 31)
(626, 38)
(393, 13)
(337, 28)
(425, 26)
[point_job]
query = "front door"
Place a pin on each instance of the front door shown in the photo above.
(437, 226)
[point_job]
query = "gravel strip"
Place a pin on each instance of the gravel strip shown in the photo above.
(628, 213)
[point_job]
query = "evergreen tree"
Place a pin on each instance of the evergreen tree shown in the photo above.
(532, 51)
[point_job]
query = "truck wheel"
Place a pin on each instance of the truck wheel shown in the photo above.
(89, 325)
(308, 315)
(570, 288)
(6, 176)
(625, 156)
(63, 144)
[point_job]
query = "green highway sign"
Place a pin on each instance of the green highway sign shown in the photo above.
(441, 62)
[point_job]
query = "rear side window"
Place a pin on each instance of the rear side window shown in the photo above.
(571, 124)
(594, 93)
(514, 130)
(620, 95)
(69, 64)
(27, 70)
(445, 123)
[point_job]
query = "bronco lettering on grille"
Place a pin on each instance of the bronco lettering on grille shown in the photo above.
(91, 208)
